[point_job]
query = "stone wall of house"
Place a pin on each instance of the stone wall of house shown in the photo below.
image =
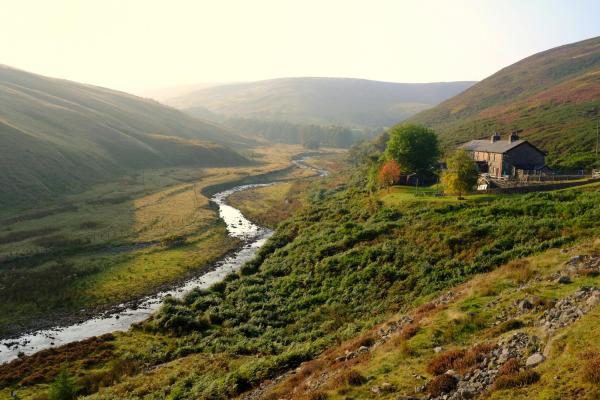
(523, 155)
(494, 161)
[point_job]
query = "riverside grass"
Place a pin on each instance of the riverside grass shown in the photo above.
(108, 245)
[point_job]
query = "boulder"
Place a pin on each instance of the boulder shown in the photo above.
(534, 360)
(564, 280)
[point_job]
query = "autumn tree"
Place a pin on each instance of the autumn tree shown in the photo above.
(461, 175)
(389, 173)
(415, 148)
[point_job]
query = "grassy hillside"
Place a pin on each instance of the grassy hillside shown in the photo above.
(554, 96)
(58, 136)
(320, 101)
(343, 264)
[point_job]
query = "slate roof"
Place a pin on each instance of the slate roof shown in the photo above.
(500, 146)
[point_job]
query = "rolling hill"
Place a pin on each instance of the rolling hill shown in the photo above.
(319, 101)
(58, 136)
(554, 96)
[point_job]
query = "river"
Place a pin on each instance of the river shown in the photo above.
(238, 226)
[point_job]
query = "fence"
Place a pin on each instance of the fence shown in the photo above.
(524, 187)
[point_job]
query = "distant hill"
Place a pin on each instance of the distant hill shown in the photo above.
(59, 136)
(553, 96)
(319, 101)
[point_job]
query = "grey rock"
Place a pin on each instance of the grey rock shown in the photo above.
(534, 360)
(438, 349)
(564, 280)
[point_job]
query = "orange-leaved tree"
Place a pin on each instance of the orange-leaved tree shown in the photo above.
(389, 173)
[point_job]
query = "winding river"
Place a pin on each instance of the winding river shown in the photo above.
(238, 226)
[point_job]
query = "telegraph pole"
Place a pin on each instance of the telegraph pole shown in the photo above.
(597, 134)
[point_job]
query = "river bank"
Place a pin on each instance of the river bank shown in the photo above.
(95, 322)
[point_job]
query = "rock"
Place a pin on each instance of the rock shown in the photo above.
(575, 260)
(526, 304)
(593, 301)
(387, 387)
(406, 398)
(363, 349)
(564, 280)
(376, 389)
(438, 349)
(534, 360)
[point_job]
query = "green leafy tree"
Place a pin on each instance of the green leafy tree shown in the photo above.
(461, 175)
(63, 387)
(415, 148)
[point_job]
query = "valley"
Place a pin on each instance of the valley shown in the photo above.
(273, 227)
(120, 241)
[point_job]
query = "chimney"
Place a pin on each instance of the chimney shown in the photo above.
(495, 137)
(514, 136)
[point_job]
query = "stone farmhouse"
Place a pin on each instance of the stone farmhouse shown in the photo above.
(508, 158)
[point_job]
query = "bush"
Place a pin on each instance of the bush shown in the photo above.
(409, 331)
(591, 369)
(354, 378)
(441, 384)
(63, 388)
(462, 360)
(318, 396)
(515, 380)
(511, 366)
(444, 361)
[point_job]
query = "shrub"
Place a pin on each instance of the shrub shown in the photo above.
(441, 384)
(591, 369)
(444, 361)
(425, 308)
(473, 357)
(461, 360)
(354, 378)
(511, 366)
(63, 388)
(518, 379)
(409, 331)
(318, 396)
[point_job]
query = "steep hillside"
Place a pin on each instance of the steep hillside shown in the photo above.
(322, 101)
(554, 96)
(59, 136)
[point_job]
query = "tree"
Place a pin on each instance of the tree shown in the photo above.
(461, 175)
(389, 173)
(63, 387)
(415, 148)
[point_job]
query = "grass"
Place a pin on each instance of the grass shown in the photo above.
(95, 240)
(345, 264)
(572, 356)
(398, 195)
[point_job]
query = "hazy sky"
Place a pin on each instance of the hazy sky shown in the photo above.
(138, 45)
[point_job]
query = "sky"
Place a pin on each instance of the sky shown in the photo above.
(141, 45)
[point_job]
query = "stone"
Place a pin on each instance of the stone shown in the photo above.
(438, 349)
(363, 349)
(564, 280)
(406, 398)
(526, 304)
(534, 360)
(387, 387)
(593, 301)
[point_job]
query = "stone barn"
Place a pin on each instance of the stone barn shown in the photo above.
(507, 158)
